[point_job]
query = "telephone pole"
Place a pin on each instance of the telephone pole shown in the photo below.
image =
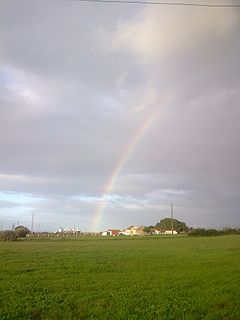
(32, 223)
(172, 216)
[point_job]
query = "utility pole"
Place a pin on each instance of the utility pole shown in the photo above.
(32, 223)
(172, 216)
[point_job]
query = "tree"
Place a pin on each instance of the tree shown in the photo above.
(149, 229)
(21, 231)
(166, 224)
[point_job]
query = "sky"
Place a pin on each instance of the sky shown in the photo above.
(110, 112)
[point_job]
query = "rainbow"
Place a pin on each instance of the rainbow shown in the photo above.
(119, 165)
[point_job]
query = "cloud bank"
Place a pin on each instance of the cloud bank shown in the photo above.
(78, 80)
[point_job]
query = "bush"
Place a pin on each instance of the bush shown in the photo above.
(8, 235)
(231, 231)
(205, 232)
(199, 232)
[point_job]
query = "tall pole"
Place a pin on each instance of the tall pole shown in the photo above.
(172, 216)
(32, 223)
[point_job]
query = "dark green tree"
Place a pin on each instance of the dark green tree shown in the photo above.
(149, 229)
(21, 231)
(166, 224)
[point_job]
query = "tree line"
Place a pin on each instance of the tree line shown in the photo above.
(181, 227)
(201, 232)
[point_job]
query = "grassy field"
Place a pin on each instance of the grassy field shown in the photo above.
(122, 278)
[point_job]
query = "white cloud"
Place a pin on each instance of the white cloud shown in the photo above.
(155, 35)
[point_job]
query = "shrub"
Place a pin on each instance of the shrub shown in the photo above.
(8, 235)
(204, 232)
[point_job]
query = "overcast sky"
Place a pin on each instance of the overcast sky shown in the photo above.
(78, 85)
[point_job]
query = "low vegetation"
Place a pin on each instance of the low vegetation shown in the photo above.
(158, 277)
(200, 232)
(8, 235)
(12, 235)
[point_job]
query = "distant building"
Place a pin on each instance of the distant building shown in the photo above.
(68, 231)
(169, 232)
(111, 232)
(133, 231)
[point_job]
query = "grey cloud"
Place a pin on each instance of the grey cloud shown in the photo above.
(78, 81)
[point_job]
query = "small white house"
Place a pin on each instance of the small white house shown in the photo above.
(105, 234)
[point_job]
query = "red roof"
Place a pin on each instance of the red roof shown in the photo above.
(114, 232)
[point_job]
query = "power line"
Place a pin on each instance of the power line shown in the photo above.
(179, 4)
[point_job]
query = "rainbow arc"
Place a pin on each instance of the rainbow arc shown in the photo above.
(129, 149)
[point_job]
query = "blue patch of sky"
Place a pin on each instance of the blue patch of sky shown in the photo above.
(5, 77)
(88, 198)
(19, 198)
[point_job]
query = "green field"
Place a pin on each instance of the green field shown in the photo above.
(121, 278)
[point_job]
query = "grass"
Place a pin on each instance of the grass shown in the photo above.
(121, 278)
